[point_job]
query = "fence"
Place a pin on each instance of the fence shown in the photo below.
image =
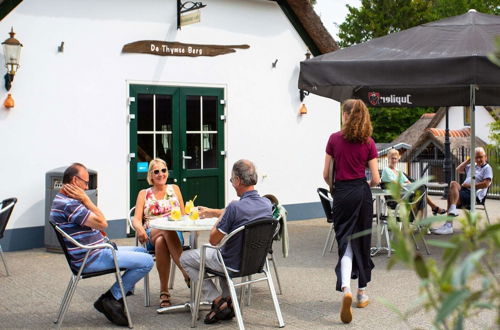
(431, 163)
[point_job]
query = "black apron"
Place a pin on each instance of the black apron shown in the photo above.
(353, 213)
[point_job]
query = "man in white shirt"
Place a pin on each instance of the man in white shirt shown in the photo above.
(459, 195)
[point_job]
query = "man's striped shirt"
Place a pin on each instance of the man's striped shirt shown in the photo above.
(70, 215)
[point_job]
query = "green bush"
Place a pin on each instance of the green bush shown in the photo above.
(465, 282)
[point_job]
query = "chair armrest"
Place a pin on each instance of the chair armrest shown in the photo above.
(82, 246)
(325, 197)
(5, 209)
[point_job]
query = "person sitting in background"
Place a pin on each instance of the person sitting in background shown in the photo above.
(393, 174)
(74, 212)
(156, 202)
(459, 195)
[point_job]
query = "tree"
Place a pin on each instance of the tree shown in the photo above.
(377, 18)
(389, 123)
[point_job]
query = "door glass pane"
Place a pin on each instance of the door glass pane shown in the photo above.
(164, 148)
(144, 112)
(210, 113)
(194, 151)
(163, 113)
(193, 110)
(144, 147)
(209, 150)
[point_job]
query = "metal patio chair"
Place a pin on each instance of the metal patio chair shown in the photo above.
(78, 273)
(414, 205)
(5, 212)
(257, 240)
(327, 202)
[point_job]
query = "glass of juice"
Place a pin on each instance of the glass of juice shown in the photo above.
(194, 215)
(176, 213)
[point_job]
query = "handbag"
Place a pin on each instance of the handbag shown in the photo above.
(331, 176)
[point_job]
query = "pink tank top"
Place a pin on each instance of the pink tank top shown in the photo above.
(157, 208)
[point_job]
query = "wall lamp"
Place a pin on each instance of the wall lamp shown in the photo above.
(12, 53)
(303, 93)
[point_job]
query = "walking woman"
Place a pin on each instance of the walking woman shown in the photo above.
(352, 150)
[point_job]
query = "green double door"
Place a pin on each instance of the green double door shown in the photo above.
(185, 127)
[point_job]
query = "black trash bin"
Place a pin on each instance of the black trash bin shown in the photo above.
(53, 183)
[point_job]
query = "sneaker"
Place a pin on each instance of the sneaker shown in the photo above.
(453, 213)
(362, 300)
(446, 229)
(346, 310)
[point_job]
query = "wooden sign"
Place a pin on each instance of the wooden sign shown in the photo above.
(165, 48)
(190, 18)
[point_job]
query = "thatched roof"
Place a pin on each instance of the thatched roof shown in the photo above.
(414, 132)
(311, 23)
(458, 139)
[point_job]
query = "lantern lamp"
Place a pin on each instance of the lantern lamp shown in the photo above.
(12, 53)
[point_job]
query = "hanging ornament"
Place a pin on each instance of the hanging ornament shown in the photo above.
(303, 109)
(9, 101)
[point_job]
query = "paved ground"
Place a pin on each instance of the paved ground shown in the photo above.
(29, 298)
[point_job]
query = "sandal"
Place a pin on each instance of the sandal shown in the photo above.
(165, 302)
(228, 312)
(438, 210)
(211, 317)
(188, 282)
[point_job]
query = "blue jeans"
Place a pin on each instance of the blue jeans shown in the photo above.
(135, 258)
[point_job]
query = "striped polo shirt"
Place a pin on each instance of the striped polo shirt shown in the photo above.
(70, 215)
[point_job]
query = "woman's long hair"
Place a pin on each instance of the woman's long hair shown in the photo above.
(358, 127)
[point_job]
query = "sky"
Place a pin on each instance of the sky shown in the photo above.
(333, 13)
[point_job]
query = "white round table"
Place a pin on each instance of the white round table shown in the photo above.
(185, 224)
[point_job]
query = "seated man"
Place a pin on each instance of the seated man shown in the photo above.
(74, 212)
(459, 195)
(250, 207)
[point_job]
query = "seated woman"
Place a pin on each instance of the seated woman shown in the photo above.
(392, 173)
(154, 202)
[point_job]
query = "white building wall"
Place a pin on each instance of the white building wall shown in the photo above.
(71, 106)
(456, 121)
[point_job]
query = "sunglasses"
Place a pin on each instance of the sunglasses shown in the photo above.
(163, 170)
(86, 182)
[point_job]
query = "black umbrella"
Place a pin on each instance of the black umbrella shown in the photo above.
(442, 63)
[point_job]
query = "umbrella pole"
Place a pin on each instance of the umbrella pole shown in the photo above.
(472, 148)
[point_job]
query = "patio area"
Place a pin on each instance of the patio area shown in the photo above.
(31, 296)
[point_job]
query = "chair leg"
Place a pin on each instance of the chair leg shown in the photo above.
(387, 239)
(328, 238)
(424, 241)
(195, 310)
(249, 292)
(486, 212)
(147, 293)
(5, 263)
(68, 300)
(276, 303)
(236, 305)
(64, 299)
(276, 273)
(122, 290)
(332, 239)
(172, 274)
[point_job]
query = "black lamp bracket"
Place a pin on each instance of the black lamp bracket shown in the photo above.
(186, 7)
(303, 94)
(8, 80)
